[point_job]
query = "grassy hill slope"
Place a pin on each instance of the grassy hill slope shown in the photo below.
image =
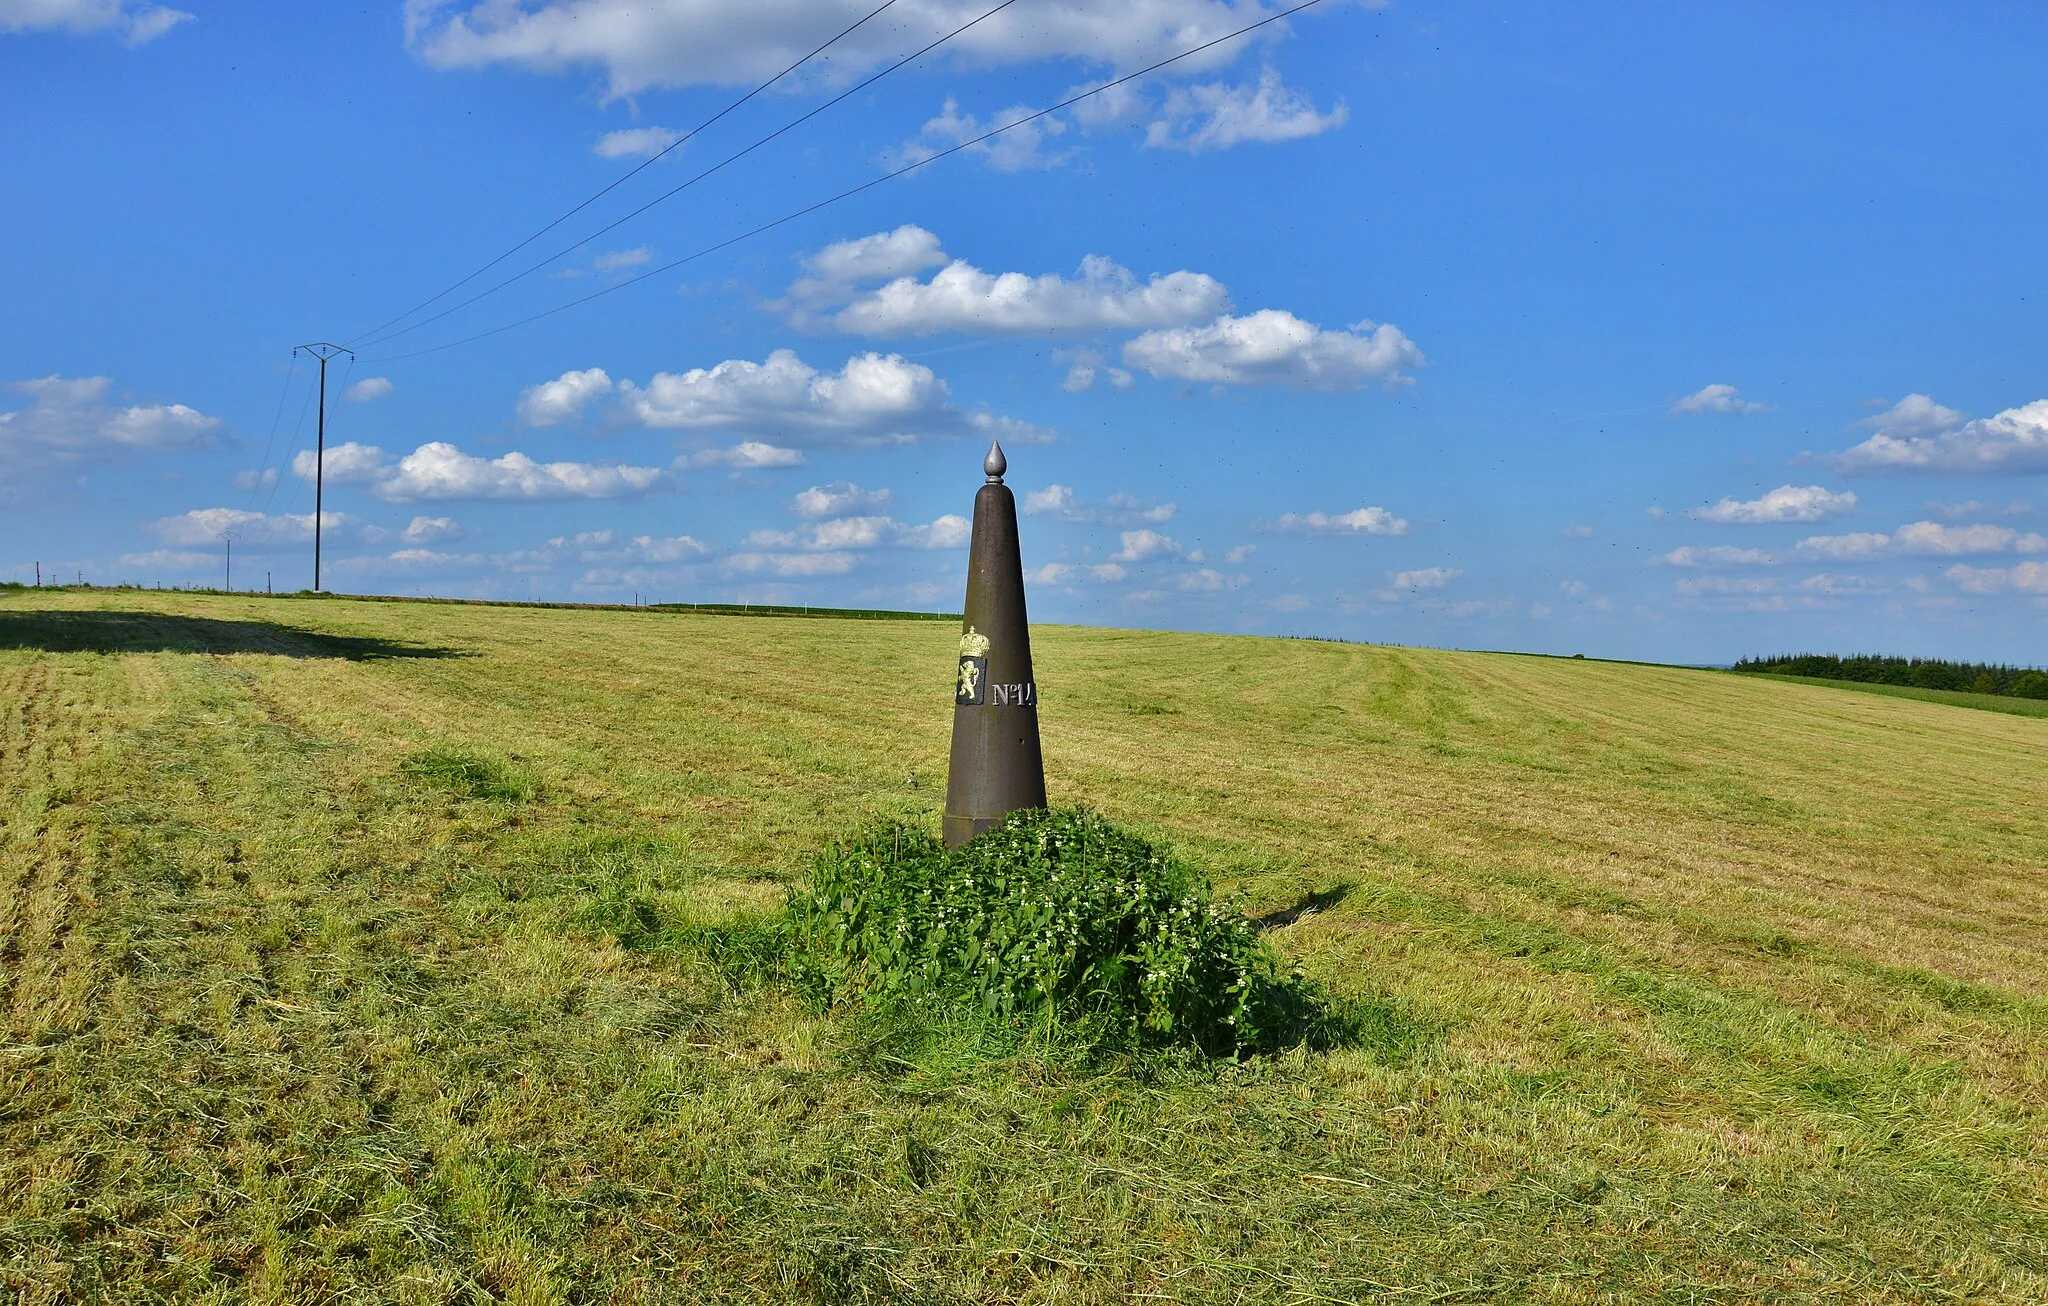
(1689, 987)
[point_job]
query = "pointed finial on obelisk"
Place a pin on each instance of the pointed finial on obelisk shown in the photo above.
(995, 464)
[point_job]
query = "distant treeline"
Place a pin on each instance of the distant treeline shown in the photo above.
(1920, 673)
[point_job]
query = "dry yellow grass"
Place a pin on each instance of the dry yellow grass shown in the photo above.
(1698, 987)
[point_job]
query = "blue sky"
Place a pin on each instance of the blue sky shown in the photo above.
(1663, 332)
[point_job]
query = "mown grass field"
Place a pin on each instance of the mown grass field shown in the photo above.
(1690, 987)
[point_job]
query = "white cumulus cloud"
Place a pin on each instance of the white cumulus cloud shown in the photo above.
(1924, 539)
(1728, 585)
(431, 530)
(136, 23)
(348, 463)
(406, 558)
(1062, 504)
(370, 387)
(620, 259)
(172, 559)
(1426, 578)
(636, 142)
(1721, 555)
(1404, 585)
(871, 531)
(2025, 578)
(609, 547)
(1086, 367)
(831, 274)
(1915, 415)
(851, 533)
(71, 418)
(1071, 573)
(552, 403)
(638, 45)
(1787, 503)
(1833, 585)
(962, 297)
(1145, 545)
(204, 526)
(793, 565)
(1215, 115)
(1359, 521)
(1919, 435)
(1276, 347)
(874, 399)
(1207, 580)
(1933, 540)
(1718, 398)
(1058, 500)
(839, 499)
(951, 531)
(746, 456)
(1977, 508)
(1858, 546)
(1020, 148)
(440, 471)
(675, 548)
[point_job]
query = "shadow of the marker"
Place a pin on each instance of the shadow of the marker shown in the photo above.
(1306, 906)
(158, 632)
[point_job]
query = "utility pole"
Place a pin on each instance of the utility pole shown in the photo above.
(229, 537)
(323, 351)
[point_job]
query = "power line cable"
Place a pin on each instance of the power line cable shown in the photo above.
(256, 487)
(347, 375)
(848, 194)
(672, 193)
(649, 162)
(298, 428)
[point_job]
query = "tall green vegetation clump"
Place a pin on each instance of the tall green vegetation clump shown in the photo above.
(1054, 916)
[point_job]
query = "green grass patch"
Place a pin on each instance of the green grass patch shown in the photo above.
(2007, 704)
(470, 775)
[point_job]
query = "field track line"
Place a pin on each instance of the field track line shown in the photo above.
(25, 702)
(42, 876)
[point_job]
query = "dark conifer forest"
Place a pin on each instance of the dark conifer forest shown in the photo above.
(1920, 673)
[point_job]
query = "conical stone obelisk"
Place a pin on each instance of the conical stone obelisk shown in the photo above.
(996, 766)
